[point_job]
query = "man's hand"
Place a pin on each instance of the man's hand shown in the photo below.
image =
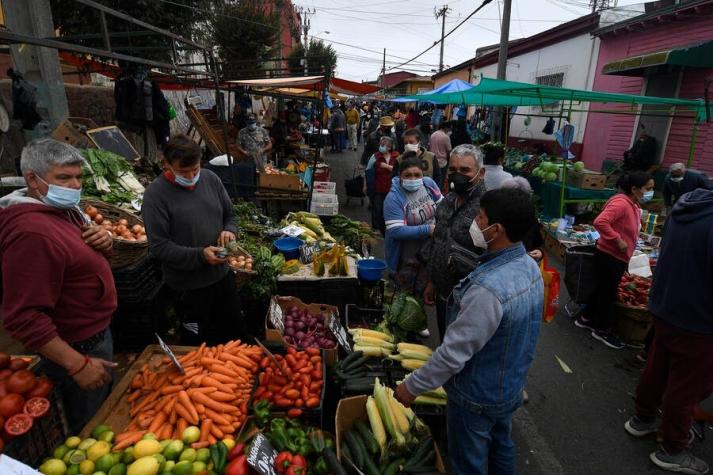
(623, 246)
(95, 374)
(403, 395)
(432, 228)
(97, 238)
(536, 254)
(429, 294)
(210, 257)
(225, 237)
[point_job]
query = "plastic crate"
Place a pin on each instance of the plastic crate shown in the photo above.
(360, 317)
(325, 198)
(321, 187)
(46, 433)
(137, 282)
(324, 209)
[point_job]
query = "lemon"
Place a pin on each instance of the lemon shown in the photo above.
(146, 447)
(86, 443)
(74, 456)
(73, 442)
(99, 473)
(97, 450)
(61, 451)
(188, 455)
(229, 444)
(199, 467)
(118, 469)
(53, 467)
(104, 463)
(169, 465)
(144, 466)
(86, 467)
(173, 449)
(149, 435)
(203, 455)
(191, 434)
(117, 457)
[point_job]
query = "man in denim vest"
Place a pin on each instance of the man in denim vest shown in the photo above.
(493, 322)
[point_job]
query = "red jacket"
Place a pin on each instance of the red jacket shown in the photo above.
(620, 218)
(382, 183)
(53, 283)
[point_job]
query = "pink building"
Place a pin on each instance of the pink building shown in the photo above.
(668, 52)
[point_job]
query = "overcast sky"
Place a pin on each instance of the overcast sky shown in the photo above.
(407, 27)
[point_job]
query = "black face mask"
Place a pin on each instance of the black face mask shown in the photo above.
(460, 184)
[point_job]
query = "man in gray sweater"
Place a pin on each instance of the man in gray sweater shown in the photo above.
(188, 214)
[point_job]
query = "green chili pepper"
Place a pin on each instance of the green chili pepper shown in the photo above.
(219, 456)
(320, 467)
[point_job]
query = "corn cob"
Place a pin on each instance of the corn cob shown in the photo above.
(374, 351)
(377, 426)
(371, 334)
(387, 414)
(414, 347)
(371, 341)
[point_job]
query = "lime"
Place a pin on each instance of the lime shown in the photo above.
(72, 470)
(86, 467)
(161, 461)
(99, 430)
(97, 450)
(146, 447)
(149, 435)
(183, 468)
(73, 442)
(164, 443)
(191, 434)
(199, 467)
(86, 443)
(104, 463)
(169, 465)
(74, 456)
(128, 456)
(61, 451)
(118, 469)
(117, 457)
(203, 455)
(107, 436)
(99, 473)
(188, 455)
(53, 467)
(173, 449)
(144, 466)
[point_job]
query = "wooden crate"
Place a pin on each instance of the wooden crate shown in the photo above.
(586, 180)
(280, 182)
(552, 244)
(115, 410)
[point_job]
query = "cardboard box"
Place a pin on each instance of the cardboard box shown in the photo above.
(353, 408)
(274, 334)
(280, 182)
(586, 180)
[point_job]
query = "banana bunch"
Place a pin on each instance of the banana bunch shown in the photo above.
(290, 267)
(372, 342)
(411, 356)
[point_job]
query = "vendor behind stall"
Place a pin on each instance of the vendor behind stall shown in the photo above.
(254, 142)
(58, 289)
(680, 181)
(188, 214)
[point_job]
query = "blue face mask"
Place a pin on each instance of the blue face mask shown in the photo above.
(61, 197)
(647, 196)
(412, 185)
(383, 149)
(185, 182)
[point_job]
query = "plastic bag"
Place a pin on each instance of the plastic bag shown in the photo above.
(551, 278)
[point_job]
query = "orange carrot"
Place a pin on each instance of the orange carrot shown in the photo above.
(168, 404)
(216, 432)
(164, 432)
(212, 382)
(222, 397)
(215, 405)
(125, 435)
(157, 422)
(188, 405)
(185, 413)
(200, 445)
(133, 396)
(170, 389)
(217, 417)
(181, 425)
(128, 441)
(206, 426)
(200, 408)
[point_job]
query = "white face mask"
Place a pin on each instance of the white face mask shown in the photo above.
(411, 147)
(476, 234)
(676, 179)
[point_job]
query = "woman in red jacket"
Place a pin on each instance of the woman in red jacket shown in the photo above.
(385, 167)
(618, 225)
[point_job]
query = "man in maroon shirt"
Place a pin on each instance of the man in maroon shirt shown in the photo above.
(58, 289)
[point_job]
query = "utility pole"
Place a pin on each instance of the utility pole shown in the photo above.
(599, 5)
(383, 75)
(442, 13)
(305, 13)
(502, 68)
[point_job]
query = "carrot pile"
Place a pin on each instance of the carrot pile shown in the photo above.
(297, 385)
(213, 394)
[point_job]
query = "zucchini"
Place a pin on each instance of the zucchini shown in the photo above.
(420, 453)
(366, 436)
(394, 467)
(354, 364)
(351, 357)
(370, 466)
(356, 449)
(335, 467)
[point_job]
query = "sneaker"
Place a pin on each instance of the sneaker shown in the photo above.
(682, 462)
(639, 427)
(583, 322)
(425, 333)
(641, 356)
(608, 338)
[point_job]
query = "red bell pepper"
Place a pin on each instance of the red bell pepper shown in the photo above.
(236, 451)
(295, 470)
(283, 461)
(238, 466)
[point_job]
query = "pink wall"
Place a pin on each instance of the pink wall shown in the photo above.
(608, 136)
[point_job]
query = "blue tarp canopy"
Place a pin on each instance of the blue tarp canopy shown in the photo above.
(456, 85)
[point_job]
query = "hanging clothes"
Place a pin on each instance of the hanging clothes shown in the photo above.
(24, 101)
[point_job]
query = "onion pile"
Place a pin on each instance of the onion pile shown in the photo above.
(120, 229)
(240, 262)
(307, 331)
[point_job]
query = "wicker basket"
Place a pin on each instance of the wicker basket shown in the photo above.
(632, 324)
(242, 276)
(124, 252)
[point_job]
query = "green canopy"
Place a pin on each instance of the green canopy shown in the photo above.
(497, 92)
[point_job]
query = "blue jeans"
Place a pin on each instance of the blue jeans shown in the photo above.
(479, 439)
(81, 405)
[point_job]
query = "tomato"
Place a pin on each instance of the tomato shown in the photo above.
(4, 360)
(18, 424)
(37, 407)
(18, 363)
(21, 382)
(5, 373)
(11, 405)
(43, 388)
(3, 389)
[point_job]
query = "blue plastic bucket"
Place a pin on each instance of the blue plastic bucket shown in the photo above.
(370, 270)
(289, 247)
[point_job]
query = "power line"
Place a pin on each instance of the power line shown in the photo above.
(485, 2)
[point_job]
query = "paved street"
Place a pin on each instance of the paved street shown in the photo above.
(574, 422)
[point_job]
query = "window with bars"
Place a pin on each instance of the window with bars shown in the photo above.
(555, 80)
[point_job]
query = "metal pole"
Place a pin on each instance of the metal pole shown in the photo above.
(383, 75)
(443, 12)
(210, 61)
(502, 65)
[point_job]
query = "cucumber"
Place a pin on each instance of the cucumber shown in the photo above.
(334, 466)
(358, 453)
(420, 453)
(366, 436)
(394, 467)
(350, 357)
(421, 471)
(370, 466)
(354, 364)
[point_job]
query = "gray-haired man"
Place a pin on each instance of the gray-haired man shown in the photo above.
(680, 181)
(58, 289)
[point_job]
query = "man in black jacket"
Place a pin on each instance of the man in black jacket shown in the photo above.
(680, 181)
(679, 367)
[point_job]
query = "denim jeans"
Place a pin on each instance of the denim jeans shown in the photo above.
(479, 439)
(80, 404)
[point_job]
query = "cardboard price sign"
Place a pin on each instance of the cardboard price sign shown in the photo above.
(262, 455)
(308, 251)
(340, 333)
(170, 354)
(276, 317)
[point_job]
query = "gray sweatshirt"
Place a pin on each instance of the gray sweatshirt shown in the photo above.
(180, 223)
(478, 320)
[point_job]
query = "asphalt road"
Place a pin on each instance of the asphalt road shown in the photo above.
(573, 423)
